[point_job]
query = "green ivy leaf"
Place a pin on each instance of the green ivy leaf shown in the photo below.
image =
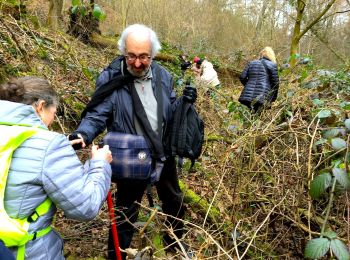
(324, 114)
(320, 184)
(347, 123)
(338, 143)
(317, 102)
(317, 247)
(331, 133)
(339, 249)
(341, 177)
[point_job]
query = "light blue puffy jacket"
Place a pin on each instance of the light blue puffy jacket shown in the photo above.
(46, 165)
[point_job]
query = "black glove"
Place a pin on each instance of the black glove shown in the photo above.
(74, 136)
(190, 94)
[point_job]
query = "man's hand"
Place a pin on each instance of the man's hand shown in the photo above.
(76, 140)
(190, 94)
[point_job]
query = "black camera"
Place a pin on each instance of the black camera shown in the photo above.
(74, 136)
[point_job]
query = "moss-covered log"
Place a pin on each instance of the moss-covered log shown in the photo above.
(199, 204)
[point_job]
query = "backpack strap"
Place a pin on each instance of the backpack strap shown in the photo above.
(183, 127)
(105, 90)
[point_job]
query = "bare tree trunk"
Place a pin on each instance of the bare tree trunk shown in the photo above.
(123, 14)
(55, 13)
(297, 33)
(260, 22)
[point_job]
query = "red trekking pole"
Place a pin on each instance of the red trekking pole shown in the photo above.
(113, 226)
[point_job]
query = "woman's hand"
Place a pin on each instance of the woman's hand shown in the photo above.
(76, 140)
(101, 153)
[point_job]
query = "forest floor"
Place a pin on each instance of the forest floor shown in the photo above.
(248, 195)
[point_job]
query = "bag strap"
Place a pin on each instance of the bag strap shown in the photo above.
(154, 141)
(159, 96)
(183, 134)
(107, 88)
(176, 128)
(265, 68)
(152, 138)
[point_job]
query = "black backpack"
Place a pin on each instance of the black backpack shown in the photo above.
(187, 135)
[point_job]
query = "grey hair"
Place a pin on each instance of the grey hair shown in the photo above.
(139, 29)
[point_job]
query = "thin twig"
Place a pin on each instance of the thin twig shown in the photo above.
(310, 175)
(258, 229)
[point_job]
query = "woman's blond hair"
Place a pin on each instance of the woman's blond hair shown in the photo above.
(268, 53)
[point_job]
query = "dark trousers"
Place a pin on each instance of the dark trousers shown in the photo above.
(129, 191)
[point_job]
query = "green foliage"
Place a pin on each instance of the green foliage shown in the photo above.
(345, 105)
(335, 139)
(90, 73)
(347, 124)
(317, 102)
(324, 113)
(338, 143)
(330, 234)
(10, 3)
(158, 245)
(342, 177)
(320, 184)
(318, 247)
(339, 249)
(332, 133)
(78, 6)
(98, 13)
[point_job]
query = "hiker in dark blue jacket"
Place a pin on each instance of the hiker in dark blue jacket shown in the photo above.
(260, 80)
(138, 45)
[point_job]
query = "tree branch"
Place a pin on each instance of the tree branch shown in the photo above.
(317, 19)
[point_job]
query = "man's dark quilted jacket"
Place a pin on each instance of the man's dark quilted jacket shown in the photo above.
(260, 84)
(116, 111)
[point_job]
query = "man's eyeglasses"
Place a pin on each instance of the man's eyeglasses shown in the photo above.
(132, 57)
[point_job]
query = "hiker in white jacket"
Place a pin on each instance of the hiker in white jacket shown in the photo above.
(207, 74)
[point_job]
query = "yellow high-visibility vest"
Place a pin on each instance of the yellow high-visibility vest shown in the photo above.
(14, 232)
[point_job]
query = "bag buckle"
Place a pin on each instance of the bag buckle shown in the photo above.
(33, 217)
(34, 236)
